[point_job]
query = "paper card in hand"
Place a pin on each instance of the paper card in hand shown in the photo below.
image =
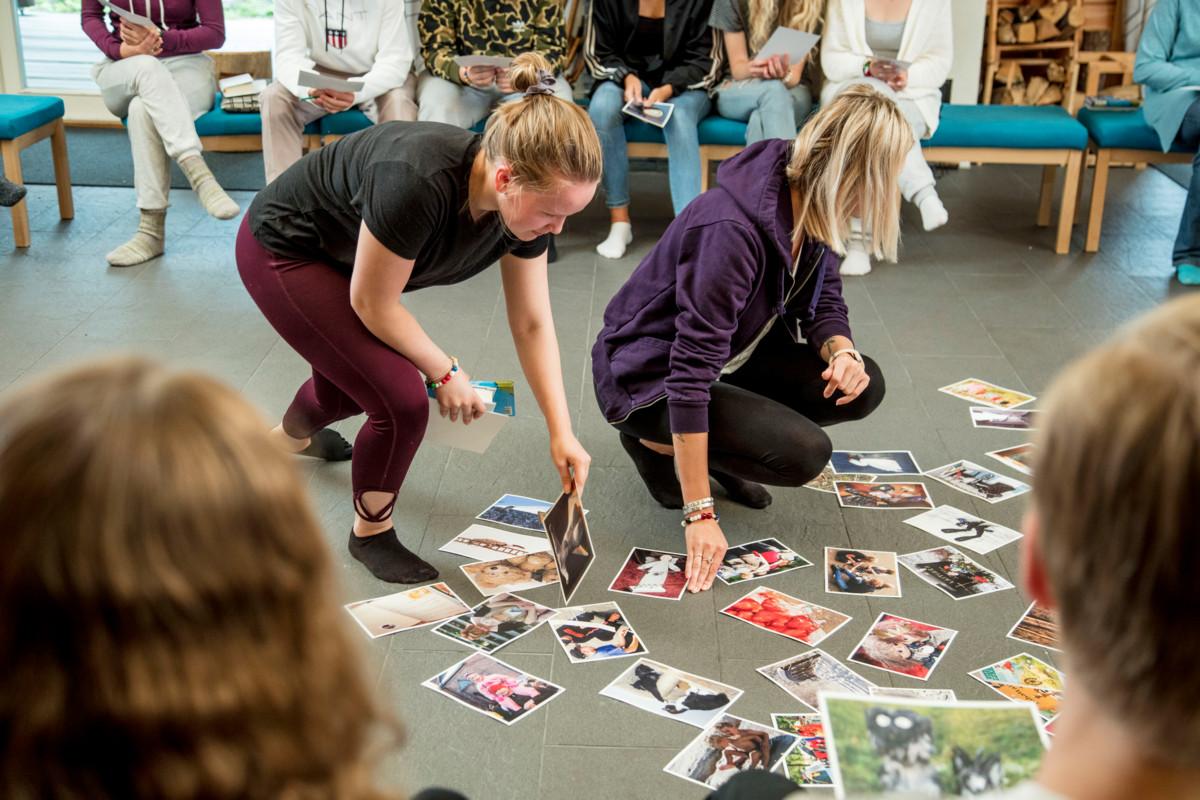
(656, 114)
(788, 42)
(315, 80)
(129, 16)
(495, 62)
(570, 541)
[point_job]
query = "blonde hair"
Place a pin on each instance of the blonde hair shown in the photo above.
(846, 163)
(168, 626)
(542, 138)
(767, 15)
(1117, 466)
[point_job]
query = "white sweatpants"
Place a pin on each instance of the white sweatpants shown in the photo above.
(162, 97)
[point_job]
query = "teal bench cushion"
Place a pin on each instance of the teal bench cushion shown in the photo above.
(1125, 129)
(20, 113)
(221, 123)
(713, 130)
(344, 122)
(1008, 127)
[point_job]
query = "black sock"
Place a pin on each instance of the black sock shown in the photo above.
(329, 445)
(741, 491)
(389, 560)
(10, 193)
(657, 471)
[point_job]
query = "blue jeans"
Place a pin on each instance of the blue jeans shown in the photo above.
(770, 109)
(681, 133)
(1187, 243)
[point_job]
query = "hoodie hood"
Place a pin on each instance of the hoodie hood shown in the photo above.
(767, 203)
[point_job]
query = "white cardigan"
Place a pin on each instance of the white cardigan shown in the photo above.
(927, 42)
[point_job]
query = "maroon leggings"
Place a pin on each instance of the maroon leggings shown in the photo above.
(308, 304)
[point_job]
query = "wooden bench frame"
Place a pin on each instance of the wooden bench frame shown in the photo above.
(1105, 158)
(250, 143)
(11, 151)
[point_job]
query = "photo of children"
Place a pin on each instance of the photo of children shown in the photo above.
(570, 542)
(972, 479)
(484, 543)
(761, 559)
(824, 481)
(651, 573)
(672, 693)
(977, 391)
(915, 748)
(1037, 625)
(787, 616)
(1019, 457)
(728, 746)
(493, 688)
(853, 494)
(1023, 420)
(861, 572)
(495, 622)
(1025, 678)
(952, 524)
(808, 763)
(806, 675)
(518, 511)
(598, 632)
(404, 611)
(903, 646)
(874, 462)
(947, 569)
(512, 574)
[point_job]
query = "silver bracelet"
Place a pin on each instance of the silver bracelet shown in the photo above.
(698, 505)
(849, 351)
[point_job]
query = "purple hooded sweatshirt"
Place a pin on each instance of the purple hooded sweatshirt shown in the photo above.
(718, 275)
(188, 26)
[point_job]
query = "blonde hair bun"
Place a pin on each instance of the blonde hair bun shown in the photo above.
(526, 70)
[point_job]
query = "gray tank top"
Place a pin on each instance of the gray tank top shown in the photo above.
(884, 37)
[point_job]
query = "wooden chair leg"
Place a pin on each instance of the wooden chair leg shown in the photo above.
(1049, 177)
(20, 212)
(1099, 192)
(62, 171)
(1066, 214)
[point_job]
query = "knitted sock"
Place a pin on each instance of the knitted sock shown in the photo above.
(657, 471)
(619, 237)
(10, 193)
(857, 260)
(212, 196)
(1188, 274)
(389, 560)
(748, 493)
(933, 214)
(329, 445)
(147, 242)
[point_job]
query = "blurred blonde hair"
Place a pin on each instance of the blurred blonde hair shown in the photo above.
(542, 138)
(168, 626)
(846, 163)
(767, 15)
(1116, 488)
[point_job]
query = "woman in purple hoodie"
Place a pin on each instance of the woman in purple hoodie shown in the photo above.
(729, 347)
(158, 77)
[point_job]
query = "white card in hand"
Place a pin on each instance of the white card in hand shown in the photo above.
(496, 62)
(315, 80)
(476, 437)
(129, 16)
(788, 42)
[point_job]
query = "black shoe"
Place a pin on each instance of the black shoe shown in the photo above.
(657, 471)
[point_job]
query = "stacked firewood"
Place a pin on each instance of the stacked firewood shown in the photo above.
(1039, 90)
(1039, 21)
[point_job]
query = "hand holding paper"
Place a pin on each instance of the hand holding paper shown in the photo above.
(788, 42)
(315, 80)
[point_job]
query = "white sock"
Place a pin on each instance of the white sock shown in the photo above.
(857, 260)
(619, 237)
(933, 213)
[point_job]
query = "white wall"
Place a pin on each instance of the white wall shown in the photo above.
(969, 17)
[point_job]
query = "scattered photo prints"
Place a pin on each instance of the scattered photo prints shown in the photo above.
(874, 462)
(495, 622)
(989, 394)
(728, 746)
(493, 688)
(1037, 626)
(978, 481)
(946, 695)
(952, 524)
(570, 542)
(651, 573)
(1018, 457)
(861, 572)
(483, 543)
(761, 559)
(947, 569)
(808, 674)
(1024, 678)
(786, 615)
(824, 481)
(671, 693)
(598, 632)
(403, 611)
(518, 511)
(1022, 420)
(854, 494)
(879, 746)
(903, 646)
(512, 574)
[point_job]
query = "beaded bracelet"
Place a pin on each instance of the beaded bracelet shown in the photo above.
(437, 383)
(701, 517)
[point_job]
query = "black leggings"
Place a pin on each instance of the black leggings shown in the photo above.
(765, 420)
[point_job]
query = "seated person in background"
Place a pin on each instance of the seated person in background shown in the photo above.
(10, 193)
(369, 41)
(649, 51)
(772, 95)
(161, 80)
(458, 96)
(858, 33)
(1168, 64)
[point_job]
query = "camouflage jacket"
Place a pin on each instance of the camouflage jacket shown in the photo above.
(452, 28)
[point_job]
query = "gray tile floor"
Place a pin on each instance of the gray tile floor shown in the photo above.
(984, 297)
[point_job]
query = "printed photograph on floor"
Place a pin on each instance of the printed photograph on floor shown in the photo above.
(493, 688)
(882, 495)
(874, 462)
(761, 559)
(964, 529)
(861, 572)
(514, 574)
(1025, 678)
(404, 611)
(651, 573)
(979, 482)
(485, 543)
(951, 572)
(1019, 457)
(808, 674)
(728, 746)
(788, 616)
(1038, 625)
(903, 646)
(518, 511)
(824, 481)
(989, 394)
(598, 632)
(1017, 420)
(671, 693)
(495, 622)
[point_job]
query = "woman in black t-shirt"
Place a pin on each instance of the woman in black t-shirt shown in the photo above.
(328, 248)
